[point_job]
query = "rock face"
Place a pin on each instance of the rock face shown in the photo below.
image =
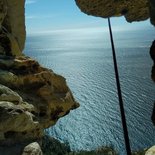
(152, 54)
(151, 151)
(12, 27)
(32, 149)
(132, 10)
(32, 98)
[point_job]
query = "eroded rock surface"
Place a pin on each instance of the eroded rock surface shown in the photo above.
(32, 149)
(151, 151)
(132, 10)
(12, 27)
(32, 98)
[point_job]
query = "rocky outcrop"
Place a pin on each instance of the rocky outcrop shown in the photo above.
(150, 151)
(32, 98)
(132, 10)
(152, 54)
(32, 149)
(12, 27)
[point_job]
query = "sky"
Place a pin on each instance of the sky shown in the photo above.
(50, 15)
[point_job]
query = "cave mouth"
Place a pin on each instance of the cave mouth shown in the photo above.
(68, 42)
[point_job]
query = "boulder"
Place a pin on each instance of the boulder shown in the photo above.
(32, 98)
(132, 10)
(32, 149)
(150, 151)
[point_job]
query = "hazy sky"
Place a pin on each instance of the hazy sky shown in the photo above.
(49, 15)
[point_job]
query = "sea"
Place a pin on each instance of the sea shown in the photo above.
(84, 58)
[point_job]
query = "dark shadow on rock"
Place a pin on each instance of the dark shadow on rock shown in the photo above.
(153, 115)
(152, 54)
(16, 149)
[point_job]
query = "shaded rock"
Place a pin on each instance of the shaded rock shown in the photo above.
(15, 149)
(152, 51)
(153, 73)
(15, 118)
(12, 27)
(32, 149)
(152, 54)
(150, 151)
(33, 99)
(152, 11)
(7, 94)
(132, 10)
(153, 115)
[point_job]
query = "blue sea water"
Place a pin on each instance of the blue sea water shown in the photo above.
(84, 58)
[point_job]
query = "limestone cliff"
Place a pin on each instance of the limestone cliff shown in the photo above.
(132, 10)
(12, 27)
(32, 98)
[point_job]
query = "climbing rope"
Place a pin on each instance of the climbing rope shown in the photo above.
(123, 118)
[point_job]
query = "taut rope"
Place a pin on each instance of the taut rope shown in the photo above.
(123, 118)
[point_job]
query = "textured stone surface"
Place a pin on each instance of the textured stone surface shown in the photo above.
(151, 151)
(32, 149)
(133, 10)
(12, 25)
(33, 99)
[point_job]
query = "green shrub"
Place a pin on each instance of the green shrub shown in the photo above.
(51, 146)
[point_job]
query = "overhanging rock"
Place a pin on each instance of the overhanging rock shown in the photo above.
(132, 10)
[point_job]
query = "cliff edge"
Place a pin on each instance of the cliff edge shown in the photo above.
(32, 98)
(132, 10)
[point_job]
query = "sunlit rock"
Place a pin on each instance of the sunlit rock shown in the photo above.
(32, 149)
(132, 10)
(151, 151)
(33, 98)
